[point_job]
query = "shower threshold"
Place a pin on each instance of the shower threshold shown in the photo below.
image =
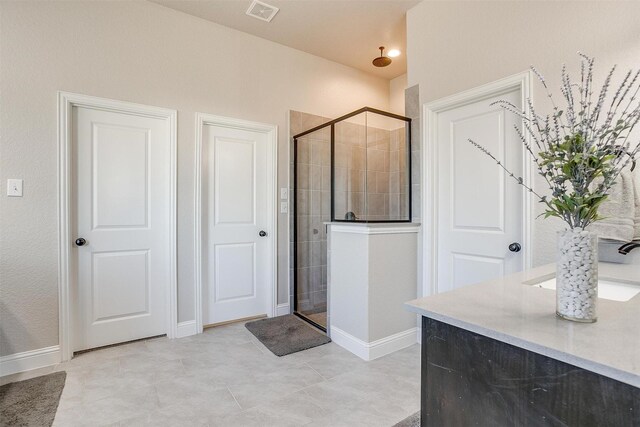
(314, 320)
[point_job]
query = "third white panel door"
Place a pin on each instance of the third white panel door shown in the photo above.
(122, 172)
(236, 268)
(479, 209)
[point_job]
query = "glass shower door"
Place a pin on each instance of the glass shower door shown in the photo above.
(313, 210)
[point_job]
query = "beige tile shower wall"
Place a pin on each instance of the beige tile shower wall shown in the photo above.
(387, 198)
(412, 110)
(378, 173)
(398, 189)
(370, 172)
(350, 169)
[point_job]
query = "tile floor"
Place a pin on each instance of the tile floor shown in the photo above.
(226, 377)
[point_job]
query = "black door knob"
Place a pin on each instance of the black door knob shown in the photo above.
(81, 242)
(262, 233)
(515, 247)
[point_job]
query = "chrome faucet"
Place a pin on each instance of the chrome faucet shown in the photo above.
(350, 216)
(628, 247)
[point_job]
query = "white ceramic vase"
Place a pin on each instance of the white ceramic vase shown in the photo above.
(577, 275)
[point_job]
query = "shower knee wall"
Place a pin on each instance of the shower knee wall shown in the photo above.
(372, 273)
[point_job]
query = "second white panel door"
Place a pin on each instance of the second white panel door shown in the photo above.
(236, 268)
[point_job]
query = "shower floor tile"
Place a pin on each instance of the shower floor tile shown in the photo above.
(319, 318)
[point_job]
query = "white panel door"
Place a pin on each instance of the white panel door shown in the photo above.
(236, 271)
(479, 209)
(122, 170)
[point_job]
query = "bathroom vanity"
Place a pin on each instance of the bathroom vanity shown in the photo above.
(496, 354)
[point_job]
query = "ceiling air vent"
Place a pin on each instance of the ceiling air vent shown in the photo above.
(262, 11)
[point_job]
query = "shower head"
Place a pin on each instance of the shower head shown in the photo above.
(381, 61)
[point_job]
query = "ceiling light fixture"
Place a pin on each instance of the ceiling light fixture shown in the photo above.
(393, 53)
(381, 61)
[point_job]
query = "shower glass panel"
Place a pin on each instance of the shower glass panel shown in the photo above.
(371, 178)
(387, 169)
(313, 209)
(352, 169)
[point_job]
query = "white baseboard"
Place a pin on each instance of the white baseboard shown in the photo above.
(186, 329)
(29, 360)
(375, 349)
(392, 343)
(282, 309)
(349, 342)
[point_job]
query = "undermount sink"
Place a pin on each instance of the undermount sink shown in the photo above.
(607, 289)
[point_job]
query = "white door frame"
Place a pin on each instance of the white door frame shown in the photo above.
(522, 82)
(66, 102)
(271, 131)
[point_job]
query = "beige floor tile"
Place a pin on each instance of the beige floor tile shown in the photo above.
(358, 414)
(109, 410)
(152, 371)
(192, 388)
(299, 404)
(169, 417)
(267, 386)
(332, 365)
(332, 396)
(261, 417)
(226, 377)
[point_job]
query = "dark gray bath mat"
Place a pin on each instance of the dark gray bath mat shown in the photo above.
(286, 334)
(410, 421)
(31, 402)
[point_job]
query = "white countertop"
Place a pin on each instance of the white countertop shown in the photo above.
(374, 227)
(516, 313)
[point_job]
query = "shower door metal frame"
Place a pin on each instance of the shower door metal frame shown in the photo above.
(332, 123)
(295, 236)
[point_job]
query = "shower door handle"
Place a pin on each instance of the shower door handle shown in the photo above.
(262, 233)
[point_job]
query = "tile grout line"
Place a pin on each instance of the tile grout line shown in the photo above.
(314, 370)
(234, 398)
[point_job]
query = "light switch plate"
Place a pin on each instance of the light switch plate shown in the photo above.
(14, 187)
(284, 194)
(284, 207)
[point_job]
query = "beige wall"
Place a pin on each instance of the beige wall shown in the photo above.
(453, 46)
(396, 94)
(143, 53)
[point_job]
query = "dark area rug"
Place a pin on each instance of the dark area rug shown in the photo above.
(286, 334)
(410, 421)
(31, 402)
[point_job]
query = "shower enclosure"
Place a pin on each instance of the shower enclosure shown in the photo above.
(354, 169)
